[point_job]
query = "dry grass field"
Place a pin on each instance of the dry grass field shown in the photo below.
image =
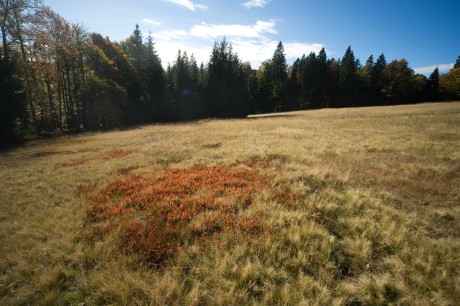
(328, 207)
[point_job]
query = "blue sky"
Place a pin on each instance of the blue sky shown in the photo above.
(424, 32)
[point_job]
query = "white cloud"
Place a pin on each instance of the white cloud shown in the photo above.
(257, 51)
(429, 69)
(236, 30)
(255, 3)
(253, 43)
(151, 22)
(167, 50)
(170, 35)
(293, 50)
(188, 4)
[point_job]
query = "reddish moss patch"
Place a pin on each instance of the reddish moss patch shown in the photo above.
(155, 215)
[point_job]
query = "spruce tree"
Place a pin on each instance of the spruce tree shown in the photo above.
(376, 79)
(365, 73)
(226, 86)
(309, 79)
(457, 63)
(348, 79)
(320, 96)
(279, 78)
(292, 87)
(154, 84)
(322, 57)
(137, 52)
(432, 86)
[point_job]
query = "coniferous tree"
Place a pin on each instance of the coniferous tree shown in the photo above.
(70, 79)
(186, 96)
(348, 79)
(376, 80)
(149, 75)
(226, 85)
(252, 93)
(457, 63)
(292, 87)
(370, 63)
(309, 80)
(432, 86)
(279, 77)
(333, 76)
(262, 100)
(366, 88)
(154, 87)
(320, 96)
(134, 49)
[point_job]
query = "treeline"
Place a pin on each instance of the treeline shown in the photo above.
(56, 77)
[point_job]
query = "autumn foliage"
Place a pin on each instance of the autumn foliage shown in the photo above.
(155, 215)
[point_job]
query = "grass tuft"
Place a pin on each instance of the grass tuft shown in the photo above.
(325, 207)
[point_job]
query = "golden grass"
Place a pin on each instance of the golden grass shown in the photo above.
(359, 206)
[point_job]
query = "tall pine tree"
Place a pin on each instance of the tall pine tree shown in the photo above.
(226, 86)
(279, 77)
(457, 63)
(348, 79)
(432, 86)
(154, 84)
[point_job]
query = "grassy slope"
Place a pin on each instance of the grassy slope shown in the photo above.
(366, 211)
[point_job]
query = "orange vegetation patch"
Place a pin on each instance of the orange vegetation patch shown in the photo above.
(118, 153)
(156, 215)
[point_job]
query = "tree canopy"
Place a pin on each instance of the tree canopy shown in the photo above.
(56, 77)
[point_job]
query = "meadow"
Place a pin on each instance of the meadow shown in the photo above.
(326, 207)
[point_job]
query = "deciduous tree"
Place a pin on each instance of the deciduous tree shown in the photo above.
(450, 84)
(398, 81)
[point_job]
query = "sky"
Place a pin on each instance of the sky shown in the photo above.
(424, 32)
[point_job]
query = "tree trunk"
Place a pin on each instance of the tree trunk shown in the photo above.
(27, 69)
(3, 30)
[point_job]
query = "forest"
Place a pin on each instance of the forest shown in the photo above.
(57, 77)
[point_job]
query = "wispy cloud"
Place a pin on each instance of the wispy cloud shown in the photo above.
(236, 30)
(429, 69)
(188, 4)
(170, 35)
(151, 22)
(254, 43)
(256, 3)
